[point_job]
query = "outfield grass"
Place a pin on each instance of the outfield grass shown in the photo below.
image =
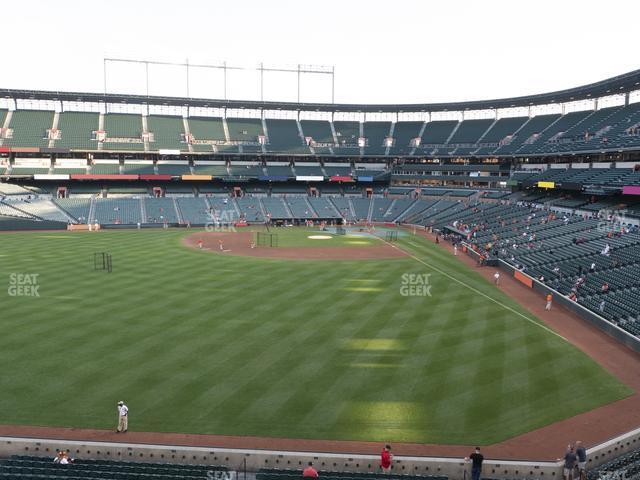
(206, 343)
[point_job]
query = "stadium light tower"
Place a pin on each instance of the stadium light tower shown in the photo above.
(261, 69)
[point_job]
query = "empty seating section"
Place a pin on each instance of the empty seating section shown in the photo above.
(138, 169)
(8, 209)
(532, 127)
(277, 474)
(361, 208)
(28, 170)
(284, 136)
(309, 170)
(78, 208)
(250, 209)
(347, 133)
(124, 127)
(324, 208)
(105, 169)
(338, 170)
(503, 128)
(168, 132)
(279, 171)
(375, 134)
(344, 208)
(160, 210)
(404, 133)
(275, 208)
(470, 131)
(565, 122)
(380, 207)
(124, 211)
(174, 169)
(299, 207)
(246, 171)
(193, 210)
(43, 467)
(43, 209)
(437, 132)
(397, 208)
(77, 130)
(319, 131)
(3, 116)
(213, 170)
(29, 128)
(205, 131)
(244, 129)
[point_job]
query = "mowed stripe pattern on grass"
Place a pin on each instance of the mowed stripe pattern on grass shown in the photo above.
(206, 343)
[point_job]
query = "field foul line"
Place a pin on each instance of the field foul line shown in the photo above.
(473, 289)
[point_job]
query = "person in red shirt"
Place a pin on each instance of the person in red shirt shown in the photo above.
(310, 472)
(385, 459)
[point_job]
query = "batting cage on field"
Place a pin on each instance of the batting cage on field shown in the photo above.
(391, 236)
(266, 239)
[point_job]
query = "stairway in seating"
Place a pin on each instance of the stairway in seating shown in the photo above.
(453, 132)
(143, 211)
(92, 211)
(178, 212)
(370, 213)
(286, 207)
(311, 209)
(390, 209)
(187, 132)
(405, 212)
(54, 126)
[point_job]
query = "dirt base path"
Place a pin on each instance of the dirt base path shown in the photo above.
(240, 243)
(547, 443)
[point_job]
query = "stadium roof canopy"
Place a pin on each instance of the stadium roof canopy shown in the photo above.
(620, 84)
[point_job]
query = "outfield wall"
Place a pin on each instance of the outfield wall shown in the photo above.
(252, 460)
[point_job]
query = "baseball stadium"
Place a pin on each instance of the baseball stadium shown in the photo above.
(267, 285)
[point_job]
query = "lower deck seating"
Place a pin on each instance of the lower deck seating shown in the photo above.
(160, 210)
(194, 210)
(250, 209)
(19, 467)
(124, 211)
(276, 474)
(77, 208)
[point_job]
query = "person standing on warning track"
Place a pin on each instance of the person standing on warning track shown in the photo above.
(496, 278)
(476, 463)
(221, 245)
(385, 459)
(123, 418)
(549, 301)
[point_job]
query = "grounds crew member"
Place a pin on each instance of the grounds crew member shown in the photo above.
(123, 417)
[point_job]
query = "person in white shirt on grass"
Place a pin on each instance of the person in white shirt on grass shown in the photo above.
(123, 417)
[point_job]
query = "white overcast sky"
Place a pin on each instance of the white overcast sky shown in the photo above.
(398, 51)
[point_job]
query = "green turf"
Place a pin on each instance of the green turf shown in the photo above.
(207, 343)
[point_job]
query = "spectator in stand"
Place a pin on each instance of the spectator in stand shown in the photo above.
(310, 472)
(581, 453)
(570, 461)
(476, 463)
(605, 287)
(385, 459)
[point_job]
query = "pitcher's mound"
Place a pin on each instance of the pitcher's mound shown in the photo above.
(240, 243)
